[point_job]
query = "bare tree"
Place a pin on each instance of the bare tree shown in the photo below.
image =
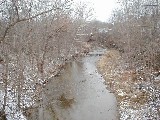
(36, 37)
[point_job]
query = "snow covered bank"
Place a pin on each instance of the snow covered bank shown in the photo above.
(138, 99)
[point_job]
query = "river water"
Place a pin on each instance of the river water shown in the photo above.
(84, 87)
(79, 93)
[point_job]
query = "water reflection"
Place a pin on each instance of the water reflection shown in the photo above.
(79, 94)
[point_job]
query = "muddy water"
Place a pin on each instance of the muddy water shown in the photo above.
(84, 91)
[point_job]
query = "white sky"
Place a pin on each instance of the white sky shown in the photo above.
(103, 8)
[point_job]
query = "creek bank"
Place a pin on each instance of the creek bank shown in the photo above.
(31, 96)
(137, 99)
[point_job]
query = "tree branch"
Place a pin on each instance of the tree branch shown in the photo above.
(21, 20)
(2, 2)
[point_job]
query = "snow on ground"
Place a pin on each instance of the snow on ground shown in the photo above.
(12, 111)
(139, 99)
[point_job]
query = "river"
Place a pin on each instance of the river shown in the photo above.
(83, 88)
(78, 93)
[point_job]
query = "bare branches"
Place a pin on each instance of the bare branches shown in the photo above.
(36, 39)
(2, 2)
(21, 20)
(16, 8)
(150, 5)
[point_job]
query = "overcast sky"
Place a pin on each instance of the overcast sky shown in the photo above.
(103, 8)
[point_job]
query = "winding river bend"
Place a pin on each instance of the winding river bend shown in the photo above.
(84, 88)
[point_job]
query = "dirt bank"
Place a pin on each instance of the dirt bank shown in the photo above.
(132, 94)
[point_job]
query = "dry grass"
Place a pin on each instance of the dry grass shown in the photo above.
(109, 60)
(121, 81)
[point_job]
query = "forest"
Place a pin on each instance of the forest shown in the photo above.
(134, 32)
(38, 38)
